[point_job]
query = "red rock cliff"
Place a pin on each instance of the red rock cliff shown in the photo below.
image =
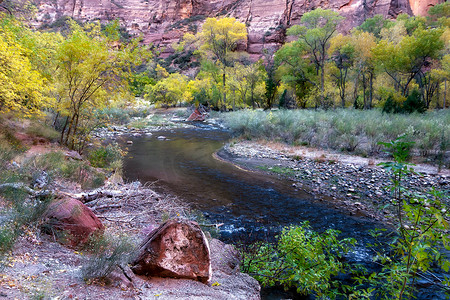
(165, 21)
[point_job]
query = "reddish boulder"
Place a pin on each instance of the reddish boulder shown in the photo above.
(177, 249)
(72, 221)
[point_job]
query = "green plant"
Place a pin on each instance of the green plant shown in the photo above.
(109, 252)
(106, 157)
(301, 258)
(420, 232)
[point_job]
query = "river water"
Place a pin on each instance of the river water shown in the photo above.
(181, 161)
(248, 204)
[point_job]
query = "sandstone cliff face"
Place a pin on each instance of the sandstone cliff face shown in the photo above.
(164, 21)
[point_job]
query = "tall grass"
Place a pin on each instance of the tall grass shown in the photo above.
(344, 129)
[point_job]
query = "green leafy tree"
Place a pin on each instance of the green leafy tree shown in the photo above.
(404, 61)
(318, 28)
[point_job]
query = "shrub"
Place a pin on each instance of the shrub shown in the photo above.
(106, 157)
(109, 252)
(301, 258)
(43, 130)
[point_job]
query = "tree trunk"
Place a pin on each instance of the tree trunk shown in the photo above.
(63, 130)
(370, 90)
(322, 83)
(445, 94)
(224, 90)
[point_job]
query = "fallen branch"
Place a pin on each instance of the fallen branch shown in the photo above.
(22, 186)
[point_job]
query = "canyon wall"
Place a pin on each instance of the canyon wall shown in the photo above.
(163, 22)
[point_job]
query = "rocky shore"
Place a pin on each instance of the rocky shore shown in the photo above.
(350, 183)
(40, 267)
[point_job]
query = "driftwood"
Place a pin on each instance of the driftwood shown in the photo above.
(22, 186)
(94, 195)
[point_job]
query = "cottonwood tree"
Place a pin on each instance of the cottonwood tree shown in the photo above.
(318, 27)
(406, 60)
(218, 40)
(89, 72)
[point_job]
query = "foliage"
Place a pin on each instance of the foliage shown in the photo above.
(301, 258)
(168, 91)
(218, 40)
(23, 89)
(57, 166)
(104, 157)
(89, 70)
(421, 220)
(319, 26)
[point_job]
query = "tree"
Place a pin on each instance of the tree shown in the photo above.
(363, 44)
(168, 91)
(89, 71)
(296, 71)
(342, 53)
(23, 88)
(219, 38)
(406, 60)
(318, 27)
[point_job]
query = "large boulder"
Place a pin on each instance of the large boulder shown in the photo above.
(71, 221)
(177, 249)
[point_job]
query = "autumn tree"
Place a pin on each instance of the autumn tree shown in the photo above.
(169, 91)
(318, 27)
(218, 41)
(406, 60)
(89, 71)
(342, 53)
(23, 88)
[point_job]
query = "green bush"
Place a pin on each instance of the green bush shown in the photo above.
(302, 258)
(56, 165)
(105, 157)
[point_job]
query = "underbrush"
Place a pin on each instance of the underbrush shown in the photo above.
(56, 165)
(346, 130)
(109, 251)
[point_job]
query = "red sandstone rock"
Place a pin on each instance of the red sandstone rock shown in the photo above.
(71, 220)
(177, 249)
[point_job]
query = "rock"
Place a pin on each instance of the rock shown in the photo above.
(72, 221)
(177, 249)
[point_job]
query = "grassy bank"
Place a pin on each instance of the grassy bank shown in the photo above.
(353, 131)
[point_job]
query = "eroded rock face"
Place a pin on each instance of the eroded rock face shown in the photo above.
(72, 221)
(163, 22)
(177, 249)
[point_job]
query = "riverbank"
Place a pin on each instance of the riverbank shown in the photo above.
(349, 183)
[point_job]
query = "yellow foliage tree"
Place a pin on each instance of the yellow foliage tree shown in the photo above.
(218, 39)
(23, 88)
